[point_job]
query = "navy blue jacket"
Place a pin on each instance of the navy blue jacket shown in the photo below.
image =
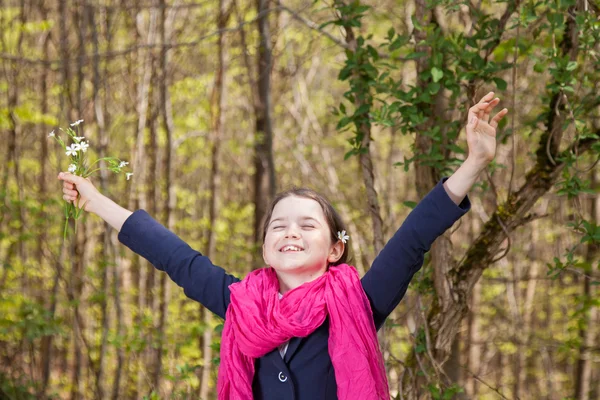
(306, 372)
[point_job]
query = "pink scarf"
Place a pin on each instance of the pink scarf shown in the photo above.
(257, 322)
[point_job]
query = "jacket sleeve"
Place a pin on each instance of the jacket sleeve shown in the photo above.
(387, 281)
(200, 279)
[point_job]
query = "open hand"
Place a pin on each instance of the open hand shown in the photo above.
(481, 132)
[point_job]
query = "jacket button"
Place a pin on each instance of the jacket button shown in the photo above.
(282, 377)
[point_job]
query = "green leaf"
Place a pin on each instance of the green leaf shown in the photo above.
(436, 74)
(390, 34)
(539, 67)
(415, 55)
(363, 109)
(572, 65)
(343, 122)
(433, 87)
(500, 83)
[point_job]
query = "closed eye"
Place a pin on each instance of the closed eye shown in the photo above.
(307, 226)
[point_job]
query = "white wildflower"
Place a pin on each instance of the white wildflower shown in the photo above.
(71, 150)
(343, 237)
(128, 175)
(76, 146)
(51, 134)
(77, 122)
(78, 138)
(72, 168)
(84, 146)
(123, 163)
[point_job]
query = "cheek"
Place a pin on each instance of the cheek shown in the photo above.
(270, 240)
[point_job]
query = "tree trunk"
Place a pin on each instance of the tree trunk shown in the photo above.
(74, 249)
(100, 116)
(168, 217)
(474, 347)
(264, 165)
(364, 157)
(587, 331)
(217, 105)
(46, 343)
(454, 285)
(137, 197)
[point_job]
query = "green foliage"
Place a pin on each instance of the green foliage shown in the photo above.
(23, 319)
(17, 389)
(453, 61)
(391, 82)
(452, 65)
(444, 393)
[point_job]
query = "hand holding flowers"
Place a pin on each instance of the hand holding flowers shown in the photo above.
(78, 190)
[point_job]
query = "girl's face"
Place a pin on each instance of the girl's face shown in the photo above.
(298, 239)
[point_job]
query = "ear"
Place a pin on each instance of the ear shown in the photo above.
(336, 251)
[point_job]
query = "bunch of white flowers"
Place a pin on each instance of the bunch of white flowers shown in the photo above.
(79, 165)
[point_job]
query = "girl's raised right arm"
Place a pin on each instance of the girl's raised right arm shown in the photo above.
(195, 273)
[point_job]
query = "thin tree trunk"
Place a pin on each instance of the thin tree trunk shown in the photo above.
(46, 342)
(153, 194)
(217, 105)
(67, 108)
(474, 352)
(78, 244)
(365, 160)
(587, 331)
(15, 132)
(66, 102)
(264, 165)
(368, 175)
(164, 108)
(137, 197)
(524, 334)
(474, 343)
(100, 117)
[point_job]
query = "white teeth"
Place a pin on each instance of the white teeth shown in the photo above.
(290, 248)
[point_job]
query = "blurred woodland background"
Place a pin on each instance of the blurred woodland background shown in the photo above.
(218, 104)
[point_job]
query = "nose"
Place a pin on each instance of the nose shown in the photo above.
(292, 232)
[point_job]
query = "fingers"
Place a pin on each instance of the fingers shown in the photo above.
(69, 177)
(498, 117)
(487, 97)
(69, 181)
(483, 109)
(489, 108)
(69, 192)
(477, 111)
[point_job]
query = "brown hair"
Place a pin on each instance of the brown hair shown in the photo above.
(333, 219)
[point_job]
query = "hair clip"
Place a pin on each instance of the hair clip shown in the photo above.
(343, 237)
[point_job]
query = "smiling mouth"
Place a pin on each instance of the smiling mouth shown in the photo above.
(291, 249)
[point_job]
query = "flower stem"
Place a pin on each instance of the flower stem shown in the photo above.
(85, 175)
(103, 158)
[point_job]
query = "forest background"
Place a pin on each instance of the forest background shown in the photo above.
(218, 104)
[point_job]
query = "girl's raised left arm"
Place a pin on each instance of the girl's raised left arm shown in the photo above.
(387, 281)
(481, 140)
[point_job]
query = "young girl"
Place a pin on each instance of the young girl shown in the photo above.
(304, 327)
